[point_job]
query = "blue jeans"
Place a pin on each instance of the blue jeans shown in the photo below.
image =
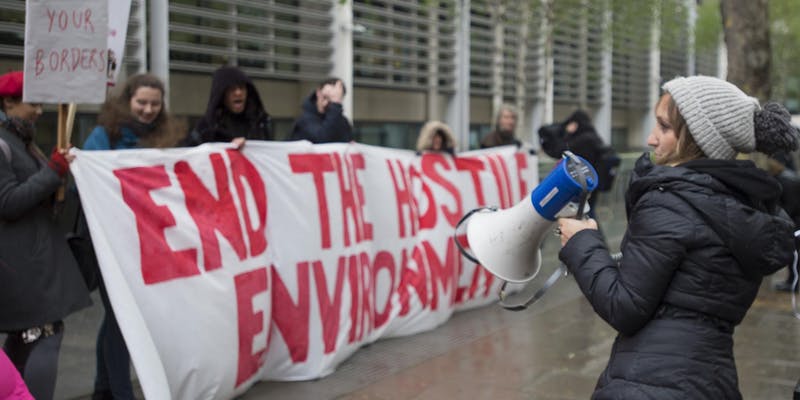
(113, 360)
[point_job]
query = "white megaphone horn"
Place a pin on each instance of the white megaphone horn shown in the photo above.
(507, 242)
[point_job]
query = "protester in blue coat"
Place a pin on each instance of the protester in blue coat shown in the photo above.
(136, 118)
(704, 229)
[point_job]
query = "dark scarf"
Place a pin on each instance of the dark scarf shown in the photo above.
(140, 129)
(23, 129)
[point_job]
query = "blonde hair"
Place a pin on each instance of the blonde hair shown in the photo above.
(505, 107)
(686, 148)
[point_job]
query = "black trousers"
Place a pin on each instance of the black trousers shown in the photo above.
(37, 361)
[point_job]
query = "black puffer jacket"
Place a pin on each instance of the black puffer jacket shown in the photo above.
(328, 127)
(700, 238)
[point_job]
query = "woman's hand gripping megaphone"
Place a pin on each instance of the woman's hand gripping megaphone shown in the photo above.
(570, 226)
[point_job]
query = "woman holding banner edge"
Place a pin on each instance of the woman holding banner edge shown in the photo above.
(40, 283)
(135, 118)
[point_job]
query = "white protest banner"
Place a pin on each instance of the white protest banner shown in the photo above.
(118, 13)
(279, 261)
(65, 51)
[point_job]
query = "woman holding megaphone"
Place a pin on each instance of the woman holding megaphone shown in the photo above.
(703, 231)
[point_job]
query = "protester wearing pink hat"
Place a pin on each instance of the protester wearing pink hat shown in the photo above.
(11, 84)
(40, 283)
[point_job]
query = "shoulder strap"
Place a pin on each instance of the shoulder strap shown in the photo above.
(5, 149)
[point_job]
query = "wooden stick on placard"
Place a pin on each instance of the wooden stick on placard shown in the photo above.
(70, 122)
(66, 119)
(62, 125)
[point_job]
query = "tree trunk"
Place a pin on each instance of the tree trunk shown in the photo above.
(746, 27)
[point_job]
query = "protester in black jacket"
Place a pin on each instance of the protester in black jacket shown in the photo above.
(234, 111)
(780, 167)
(581, 138)
(703, 230)
(323, 120)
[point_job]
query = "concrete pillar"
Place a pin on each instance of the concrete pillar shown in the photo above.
(141, 36)
(497, 12)
(458, 107)
(602, 117)
(547, 60)
(432, 97)
(691, 11)
(233, 29)
(159, 42)
(342, 55)
(525, 131)
(722, 59)
(583, 54)
(647, 120)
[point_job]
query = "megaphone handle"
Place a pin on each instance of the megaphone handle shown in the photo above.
(562, 269)
(461, 221)
(584, 186)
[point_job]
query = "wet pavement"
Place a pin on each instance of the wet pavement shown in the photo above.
(554, 350)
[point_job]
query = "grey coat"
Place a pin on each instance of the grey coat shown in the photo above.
(39, 279)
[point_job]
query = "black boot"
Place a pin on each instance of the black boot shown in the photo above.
(102, 395)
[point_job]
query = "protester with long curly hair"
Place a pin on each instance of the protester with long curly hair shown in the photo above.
(136, 118)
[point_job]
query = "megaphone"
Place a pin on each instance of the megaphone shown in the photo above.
(507, 242)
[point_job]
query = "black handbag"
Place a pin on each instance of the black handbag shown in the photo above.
(80, 242)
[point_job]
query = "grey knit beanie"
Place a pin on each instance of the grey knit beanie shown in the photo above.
(720, 116)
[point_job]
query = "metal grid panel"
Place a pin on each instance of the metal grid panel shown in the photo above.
(674, 39)
(481, 43)
(135, 57)
(577, 53)
(594, 56)
(706, 62)
(12, 30)
(533, 58)
(267, 38)
(632, 33)
(513, 39)
(401, 41)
